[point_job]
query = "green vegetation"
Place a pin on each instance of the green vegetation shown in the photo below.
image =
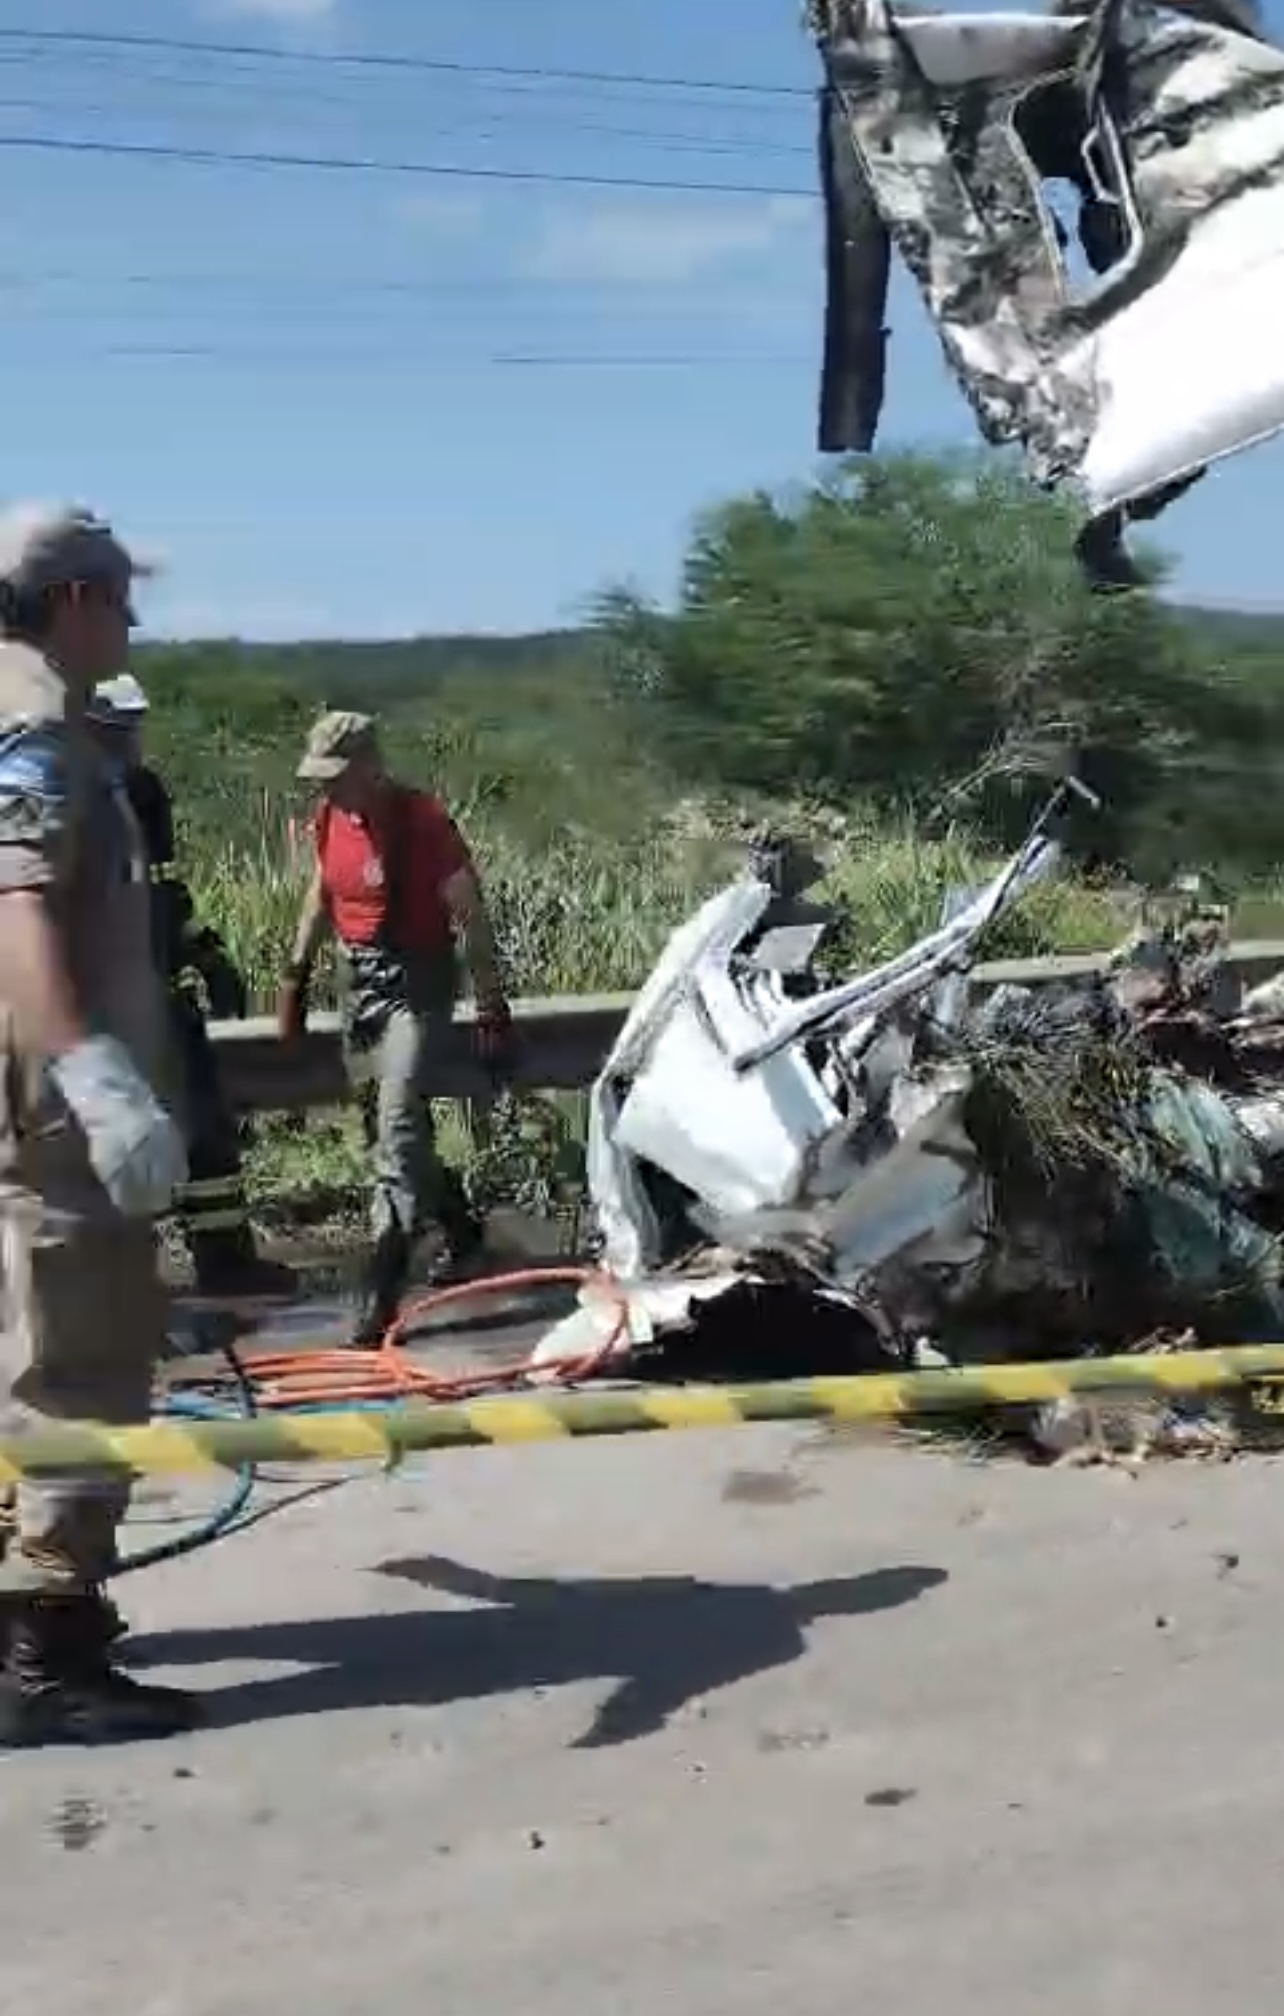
(895, 659)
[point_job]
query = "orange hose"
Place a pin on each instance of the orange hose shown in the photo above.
(287, 1379)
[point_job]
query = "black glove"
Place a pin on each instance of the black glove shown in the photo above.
(224, 983)
(493, 1038)
(292, 1006)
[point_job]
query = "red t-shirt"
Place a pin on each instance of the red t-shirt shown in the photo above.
(353, 860)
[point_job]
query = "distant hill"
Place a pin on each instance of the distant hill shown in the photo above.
(369, 670)
(347, 669)
(1257, 627)
(536, 731)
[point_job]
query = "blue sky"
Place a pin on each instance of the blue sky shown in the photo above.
(364, 404)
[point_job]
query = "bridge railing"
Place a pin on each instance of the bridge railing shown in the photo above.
(563, 1040)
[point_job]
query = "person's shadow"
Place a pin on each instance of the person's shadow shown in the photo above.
(667, 1640)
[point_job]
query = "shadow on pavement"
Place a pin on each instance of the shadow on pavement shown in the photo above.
(666, 1639)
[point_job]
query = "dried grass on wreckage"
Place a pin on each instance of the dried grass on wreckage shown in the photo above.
(1066, 1111)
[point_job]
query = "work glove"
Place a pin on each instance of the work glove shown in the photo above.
(493, 1036)
(135, 1149)
(292, 1007)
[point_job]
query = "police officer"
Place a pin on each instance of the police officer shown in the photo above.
(89, 1154)
(396, 883)
(194, 961)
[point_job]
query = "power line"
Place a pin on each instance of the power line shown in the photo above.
(671, 142)
(350, 285)
(139, 150)
(528, 87)
(393, 60)
(129, 70)
(356, 286)
(297, 358)
(523, 105)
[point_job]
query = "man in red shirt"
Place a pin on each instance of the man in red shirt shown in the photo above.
(395, 882)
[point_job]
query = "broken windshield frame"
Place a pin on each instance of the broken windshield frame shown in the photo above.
(1094, 165)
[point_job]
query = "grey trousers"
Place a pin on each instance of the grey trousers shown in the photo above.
(411, 1183)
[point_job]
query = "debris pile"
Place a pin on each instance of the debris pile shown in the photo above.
(904, 1169)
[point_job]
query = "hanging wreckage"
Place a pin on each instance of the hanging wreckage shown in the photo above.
(792, 1177)
(944, 137)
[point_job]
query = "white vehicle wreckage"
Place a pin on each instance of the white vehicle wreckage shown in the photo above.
(790, 1176)
(1124, 352)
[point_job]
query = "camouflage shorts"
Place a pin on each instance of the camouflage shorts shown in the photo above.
(376, 983)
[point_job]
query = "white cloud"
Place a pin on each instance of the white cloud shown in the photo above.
(282, 10)
(660, 242)
(441, 212)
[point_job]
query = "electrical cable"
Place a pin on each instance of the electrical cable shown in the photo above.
(279, 280)
(324, 359)
(358, 164)
(389, 60)
(124, 79)
(530, 113)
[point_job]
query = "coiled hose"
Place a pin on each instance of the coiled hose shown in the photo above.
(354, 1381)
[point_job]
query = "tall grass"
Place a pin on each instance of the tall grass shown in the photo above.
(577, 915)
(588, 916)
(589, 863)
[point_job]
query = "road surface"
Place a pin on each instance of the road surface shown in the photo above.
(721, 1723)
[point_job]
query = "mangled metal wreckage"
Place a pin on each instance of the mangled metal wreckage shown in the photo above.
(1123, 354)
(790, 1176)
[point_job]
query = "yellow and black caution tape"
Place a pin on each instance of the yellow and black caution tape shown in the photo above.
(385, 1435)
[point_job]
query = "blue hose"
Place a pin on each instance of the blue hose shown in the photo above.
(193, 1407)
(243, 1406)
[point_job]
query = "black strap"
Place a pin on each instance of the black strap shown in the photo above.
(857, 264)
(154, 810)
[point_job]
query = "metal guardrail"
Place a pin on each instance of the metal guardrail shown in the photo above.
(564, 1041)
(562, 1045)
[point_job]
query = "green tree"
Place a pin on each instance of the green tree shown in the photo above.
(910, 622)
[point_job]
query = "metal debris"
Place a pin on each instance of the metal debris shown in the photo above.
(794, 1178)
(1090, 201)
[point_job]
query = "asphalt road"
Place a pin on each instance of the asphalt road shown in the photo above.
(749, 1722)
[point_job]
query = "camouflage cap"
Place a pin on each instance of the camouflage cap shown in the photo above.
(55, 546)
(335, 742)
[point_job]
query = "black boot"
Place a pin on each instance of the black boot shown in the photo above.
(229, 1268)
(111, 1623)
(463, 1231)
(59, 1685)
(385, 1282)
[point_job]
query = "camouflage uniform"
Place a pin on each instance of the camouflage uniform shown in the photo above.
(83, 1311)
